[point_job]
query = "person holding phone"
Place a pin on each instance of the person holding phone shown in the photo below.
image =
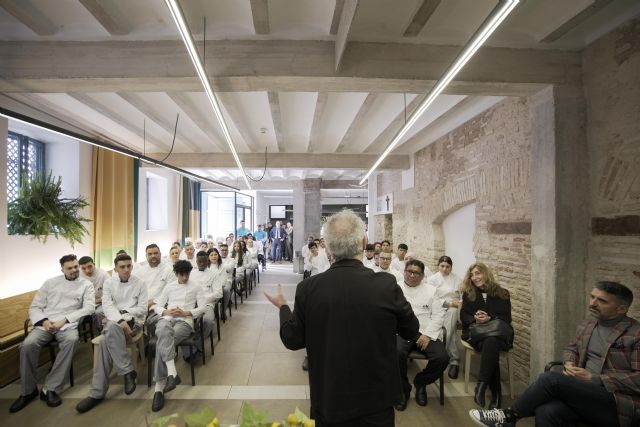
(483, 299)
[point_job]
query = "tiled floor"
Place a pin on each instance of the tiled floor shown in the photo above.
(250, 365)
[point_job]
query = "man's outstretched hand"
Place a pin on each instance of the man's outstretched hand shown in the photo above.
(278, 299)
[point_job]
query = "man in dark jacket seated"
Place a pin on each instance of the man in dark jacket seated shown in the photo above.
(600, 384)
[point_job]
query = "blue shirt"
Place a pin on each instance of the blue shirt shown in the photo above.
(260, 235)
(242, 231)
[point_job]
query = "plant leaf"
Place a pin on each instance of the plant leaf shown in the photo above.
(199, 419)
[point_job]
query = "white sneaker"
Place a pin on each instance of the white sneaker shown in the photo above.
(491, 418)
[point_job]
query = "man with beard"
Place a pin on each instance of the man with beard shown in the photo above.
(54, 313)
(600, 384)
(155, 274)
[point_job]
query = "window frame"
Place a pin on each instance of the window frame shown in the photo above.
(25, 143)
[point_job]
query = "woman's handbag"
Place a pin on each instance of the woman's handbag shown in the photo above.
(493, 328)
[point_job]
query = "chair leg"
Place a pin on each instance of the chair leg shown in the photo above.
(467, 369)
(510, 370)
(442, 389)
(234, 288)
(211, 340)
(192, 363)
(149, 363)
(71, 374)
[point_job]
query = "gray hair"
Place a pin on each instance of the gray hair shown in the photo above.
(344, 234)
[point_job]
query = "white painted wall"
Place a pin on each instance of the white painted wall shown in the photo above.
(163, 238)
(459, 229)
(73, 163)
(264, 199)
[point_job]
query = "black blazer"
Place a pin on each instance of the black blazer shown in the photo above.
(495, 307)
(348, 318)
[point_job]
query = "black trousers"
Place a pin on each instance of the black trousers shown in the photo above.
(559, 400)
(383, 418)
(435, 353)
(490, 349)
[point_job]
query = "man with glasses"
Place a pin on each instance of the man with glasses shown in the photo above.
(384, 261)
(430, 313)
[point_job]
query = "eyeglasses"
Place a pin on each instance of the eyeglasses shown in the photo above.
(413, 273)
(384, 258)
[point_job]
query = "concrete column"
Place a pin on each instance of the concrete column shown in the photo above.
(373, 199)
(307, 206)
(560, 221)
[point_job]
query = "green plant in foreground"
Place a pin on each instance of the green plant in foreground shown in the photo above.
(250, 418)
(39, 211)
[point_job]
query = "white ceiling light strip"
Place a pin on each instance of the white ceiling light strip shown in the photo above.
(499, 13)
(183, 28)
(30, 121)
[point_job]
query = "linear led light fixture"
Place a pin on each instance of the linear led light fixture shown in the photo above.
(92, 141)
(498, 14)
(183, 28)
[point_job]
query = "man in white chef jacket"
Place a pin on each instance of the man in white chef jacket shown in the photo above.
(54, 313)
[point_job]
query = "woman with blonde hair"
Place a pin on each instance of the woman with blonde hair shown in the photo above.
(483, 300)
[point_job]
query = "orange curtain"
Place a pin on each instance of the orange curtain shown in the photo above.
(114, 206)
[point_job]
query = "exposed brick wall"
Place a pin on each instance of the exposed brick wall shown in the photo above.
(611, 70)
(485, 161)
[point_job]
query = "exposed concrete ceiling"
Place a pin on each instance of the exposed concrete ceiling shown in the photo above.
(111, 68)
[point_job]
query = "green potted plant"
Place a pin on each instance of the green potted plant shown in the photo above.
(39, 210)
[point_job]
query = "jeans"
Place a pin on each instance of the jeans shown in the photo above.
(558, 400)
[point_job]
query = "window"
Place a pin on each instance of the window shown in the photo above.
(156, 202)
(25, 158)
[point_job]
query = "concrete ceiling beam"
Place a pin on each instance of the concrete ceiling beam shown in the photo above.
(111, 115)
(199, 118)
(357, 124)
(41, 108)
(30, 16)
(260, 13)
(285, 161)
(344, 28)
(276, 117)
(317, 117)
(421, 17)
(572, 23)
(234, 115)
(384, 138)
(277, 65)
(335, 20)
(157, 119)
(111, 23)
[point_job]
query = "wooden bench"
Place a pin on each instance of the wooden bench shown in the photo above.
(13, 311)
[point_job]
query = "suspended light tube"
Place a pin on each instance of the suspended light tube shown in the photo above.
(499, 13)
(12, 115)
(183, 28)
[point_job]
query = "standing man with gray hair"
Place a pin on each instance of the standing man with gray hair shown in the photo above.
(347, 318)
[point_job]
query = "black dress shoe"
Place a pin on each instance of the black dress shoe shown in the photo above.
(130, 382)
(453, 371)
(51, 397)
(158, 401)
(172, 382)
(402, 405)
(478, 395)
(421, 395)
(305, 364)
(23, 401)
(87, 404)
(496, 396)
